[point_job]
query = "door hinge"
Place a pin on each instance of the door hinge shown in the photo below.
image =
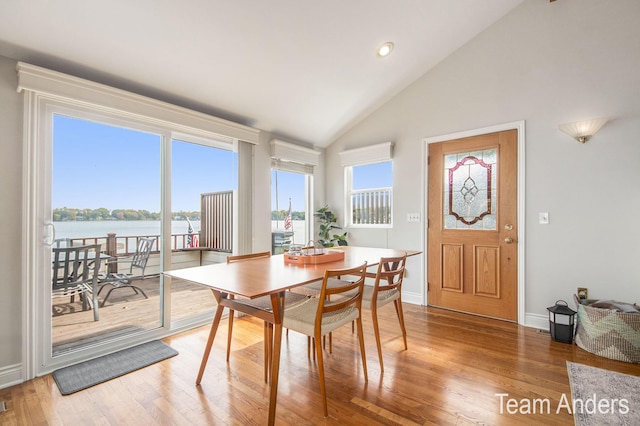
(428, 286)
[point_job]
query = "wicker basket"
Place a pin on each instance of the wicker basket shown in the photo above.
(609, 333)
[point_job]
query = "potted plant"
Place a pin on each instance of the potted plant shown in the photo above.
(328, 222)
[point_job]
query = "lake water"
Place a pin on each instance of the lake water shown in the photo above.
(101, 228)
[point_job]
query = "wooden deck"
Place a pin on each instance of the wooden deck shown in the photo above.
(450, 375)
(125, 311)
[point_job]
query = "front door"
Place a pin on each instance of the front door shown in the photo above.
(472, 227)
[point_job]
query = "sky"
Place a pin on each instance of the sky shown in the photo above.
(97, 165)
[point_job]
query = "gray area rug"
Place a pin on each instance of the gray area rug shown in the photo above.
(602, 397)
(90, 373)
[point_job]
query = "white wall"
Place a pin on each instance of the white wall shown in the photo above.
(545, 63)
(10, 223)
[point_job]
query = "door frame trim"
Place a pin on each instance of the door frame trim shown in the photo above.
(520, 127)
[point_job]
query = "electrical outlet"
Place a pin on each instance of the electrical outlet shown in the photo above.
(583, 293)
(413, 217)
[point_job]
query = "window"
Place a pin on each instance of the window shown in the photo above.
(291, 194)
(369, 185)
(370, 195)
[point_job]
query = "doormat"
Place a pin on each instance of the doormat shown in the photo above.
(90, 373)
(602, 397)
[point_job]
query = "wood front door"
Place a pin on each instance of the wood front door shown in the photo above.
(472, 227)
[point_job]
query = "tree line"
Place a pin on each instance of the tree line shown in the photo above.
(281, 214)
(64, 214)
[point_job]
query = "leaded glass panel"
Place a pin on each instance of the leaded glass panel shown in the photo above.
(470, 188)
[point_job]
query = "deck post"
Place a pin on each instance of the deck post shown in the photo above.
(112, 250)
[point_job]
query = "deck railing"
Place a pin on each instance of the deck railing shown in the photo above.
(371, 206)
(115, 245)
(216, 210)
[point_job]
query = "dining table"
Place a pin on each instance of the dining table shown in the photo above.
(271, 277)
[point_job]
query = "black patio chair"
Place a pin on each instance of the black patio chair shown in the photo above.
(138, 263)
(74, 272)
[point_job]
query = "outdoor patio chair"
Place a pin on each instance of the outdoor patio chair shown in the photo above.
(74, 272)
(137, 262)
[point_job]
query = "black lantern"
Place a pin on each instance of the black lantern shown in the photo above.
(561, 322)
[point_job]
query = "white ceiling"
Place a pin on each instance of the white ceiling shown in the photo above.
(304, 70)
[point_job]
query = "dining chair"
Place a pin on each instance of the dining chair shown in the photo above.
(75, 272)
(137, 265)
(335, 307)
(263, 303)
(386, 288)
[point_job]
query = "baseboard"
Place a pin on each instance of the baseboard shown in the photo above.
(413, 298)
(536, 321)
(10, 375)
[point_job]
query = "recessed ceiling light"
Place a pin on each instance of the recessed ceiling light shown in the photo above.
(385, 49)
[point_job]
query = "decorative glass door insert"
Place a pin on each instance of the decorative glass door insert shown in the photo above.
(470, 188)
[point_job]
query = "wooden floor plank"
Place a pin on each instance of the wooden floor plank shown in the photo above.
(455, 366)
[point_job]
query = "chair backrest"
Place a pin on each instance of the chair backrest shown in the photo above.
(62, 242)
(350, 293)
(141, 256)
(239, 257)
(75, 265)
(390, 274)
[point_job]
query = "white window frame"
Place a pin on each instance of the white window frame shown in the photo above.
(379, 153)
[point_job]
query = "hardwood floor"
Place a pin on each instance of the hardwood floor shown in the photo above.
(451, 373)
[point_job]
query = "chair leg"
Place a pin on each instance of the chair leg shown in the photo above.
(231, 315)
(138, 289)
(398, 305)
(323, 389)
(362, 353)
(104, 301)
(268, 350)
(376, 331)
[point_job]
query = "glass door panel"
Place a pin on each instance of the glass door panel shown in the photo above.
(470, 189)
(201, 176)
(106, 190)
(289, 211)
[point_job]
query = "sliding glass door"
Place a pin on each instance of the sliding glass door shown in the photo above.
(110, 182)
(200, 171)
(106, 189)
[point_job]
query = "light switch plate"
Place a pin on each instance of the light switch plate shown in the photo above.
(413, 217)
(543, 218)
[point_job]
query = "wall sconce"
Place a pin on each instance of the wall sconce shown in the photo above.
(583, 130)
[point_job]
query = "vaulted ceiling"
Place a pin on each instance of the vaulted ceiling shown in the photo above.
(304, 70)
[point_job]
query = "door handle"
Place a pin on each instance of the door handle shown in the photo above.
(508, 240)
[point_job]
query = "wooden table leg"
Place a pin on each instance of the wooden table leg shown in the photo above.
(212, 335)
(277, 303)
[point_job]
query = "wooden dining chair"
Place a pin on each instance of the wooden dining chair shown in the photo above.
(335, 307)
(262, 303)
(386, 288)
